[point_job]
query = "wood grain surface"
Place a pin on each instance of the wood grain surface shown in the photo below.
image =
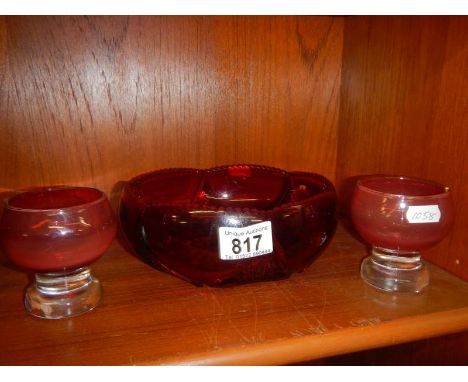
(404, 103)
(97, 100)
(148, 317)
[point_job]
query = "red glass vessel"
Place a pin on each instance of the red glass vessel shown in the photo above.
(274, 221)
(58, 232)
(399, 217)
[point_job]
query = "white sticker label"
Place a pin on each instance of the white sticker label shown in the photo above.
(246, 242)
(423, 214)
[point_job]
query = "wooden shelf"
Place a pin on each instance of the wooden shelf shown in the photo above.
(148, 317)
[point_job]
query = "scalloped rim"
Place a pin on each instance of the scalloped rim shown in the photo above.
(130, 189)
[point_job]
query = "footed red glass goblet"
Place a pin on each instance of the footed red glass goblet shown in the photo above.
(400, 217)
(57, 232)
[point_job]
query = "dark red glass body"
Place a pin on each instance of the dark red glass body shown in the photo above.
(379, 212)
(56, 229)
(172, 217)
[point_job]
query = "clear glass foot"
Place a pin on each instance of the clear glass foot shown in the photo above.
(59, 295)
(393, 271)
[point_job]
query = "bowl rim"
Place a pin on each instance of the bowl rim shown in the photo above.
(446, 190)
(102, 196)
(130, 188)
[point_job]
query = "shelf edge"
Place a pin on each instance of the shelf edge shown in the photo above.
(338, 342)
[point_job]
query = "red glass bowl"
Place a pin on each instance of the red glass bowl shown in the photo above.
(56, 229)
(173, 218)
(382, 209)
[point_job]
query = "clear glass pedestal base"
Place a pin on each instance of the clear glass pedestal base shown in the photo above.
(392, 271)
(60, 295)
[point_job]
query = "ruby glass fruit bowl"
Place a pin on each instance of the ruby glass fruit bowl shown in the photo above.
(230, 224)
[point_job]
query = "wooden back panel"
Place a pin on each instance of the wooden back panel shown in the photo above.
(404, 105)
(97, 100)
